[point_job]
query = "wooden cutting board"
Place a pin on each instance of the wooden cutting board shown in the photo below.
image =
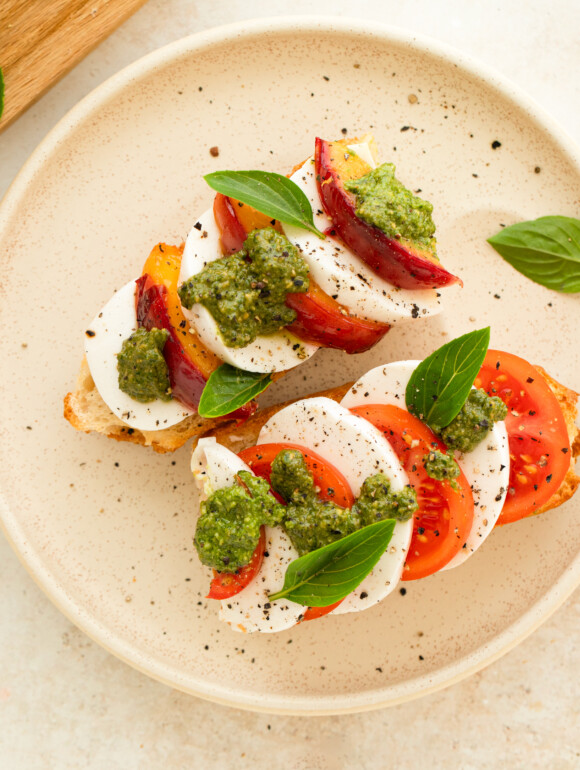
(41, 40)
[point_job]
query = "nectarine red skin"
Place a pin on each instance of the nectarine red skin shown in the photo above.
(319, 318)
(187, 382)
(386, 256)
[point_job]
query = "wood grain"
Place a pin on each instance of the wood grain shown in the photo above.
(41, 40)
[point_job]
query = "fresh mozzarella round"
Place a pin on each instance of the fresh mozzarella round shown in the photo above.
(252, 610)
(486, 467)
(343, 275)
(358, 450)
(268, 352)
(215, 467)
(116, 322)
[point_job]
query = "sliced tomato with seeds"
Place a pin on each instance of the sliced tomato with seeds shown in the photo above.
(445, 514)
(331, 483)
(224, 585)
(538, 437)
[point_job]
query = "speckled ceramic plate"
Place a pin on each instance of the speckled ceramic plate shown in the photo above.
(106, 528)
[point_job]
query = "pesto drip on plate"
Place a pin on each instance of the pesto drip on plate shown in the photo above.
(383, 201)
(229, 526)
(474, 421)
(246, 292)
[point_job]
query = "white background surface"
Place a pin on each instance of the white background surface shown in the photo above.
(66, 703)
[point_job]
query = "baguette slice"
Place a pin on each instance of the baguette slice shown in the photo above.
(86, 411)
(247, 434)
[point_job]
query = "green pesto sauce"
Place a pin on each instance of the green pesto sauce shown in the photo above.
(312, 523)
(228, 528)
(474, 421)
(382, 201)
(246, 292)
(441, 466)
(143, 373)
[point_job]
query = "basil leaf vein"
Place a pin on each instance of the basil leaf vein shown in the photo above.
(330, 573)
(273, 194)
(229, 388)
(440, 385)
(546, 250)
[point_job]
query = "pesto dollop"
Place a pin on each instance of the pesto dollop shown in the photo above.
(312, 523)
(474, 421)
(382, 201)
(228, 528)
(441, 466)
(246, 292)
(143, 372)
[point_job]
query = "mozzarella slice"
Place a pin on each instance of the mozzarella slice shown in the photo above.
(116, 322)
(486, 468)
(215, 467)
(358, 450)
(340, 273)
(269, 352)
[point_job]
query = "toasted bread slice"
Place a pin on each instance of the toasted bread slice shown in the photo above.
(247, 434)
(86, 410)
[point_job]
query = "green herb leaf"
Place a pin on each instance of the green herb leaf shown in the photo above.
(439, 386)
(229, 389)
(330, 573)
(1, 92)
(547, 250)
(273, 194)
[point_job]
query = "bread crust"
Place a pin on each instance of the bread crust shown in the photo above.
(568, 400)
(85, 409)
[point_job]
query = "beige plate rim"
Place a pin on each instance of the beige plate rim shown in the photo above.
(32, 561)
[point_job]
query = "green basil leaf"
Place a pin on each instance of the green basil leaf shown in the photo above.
(439, 386)
(1, 92)
(273, 194)
(547, 250)
(330, 573)
(228, 389)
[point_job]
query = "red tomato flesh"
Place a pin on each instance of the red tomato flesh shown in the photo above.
(331, 483)
(227, 584)
(538, 437)
(445, 515)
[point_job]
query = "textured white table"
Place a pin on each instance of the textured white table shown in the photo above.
(66, 703)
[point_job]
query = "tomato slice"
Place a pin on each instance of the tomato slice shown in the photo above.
(537, 433)
(227, 584)
(319, 612)
(445, 515)
(331, 483)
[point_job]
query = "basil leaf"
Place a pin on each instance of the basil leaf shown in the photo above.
(439, 386)
(273, 194)
(330, 573)
(1, 92)
(547, 250)
(228, 389)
